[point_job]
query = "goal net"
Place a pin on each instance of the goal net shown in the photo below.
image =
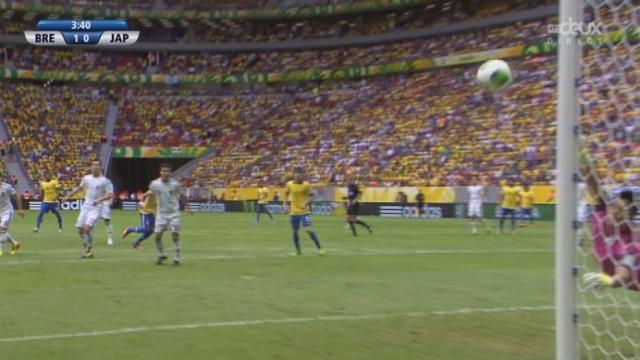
(607, 255)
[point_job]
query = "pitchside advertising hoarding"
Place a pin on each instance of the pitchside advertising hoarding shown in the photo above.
(64, 205)
(325, 208)
(413, 211)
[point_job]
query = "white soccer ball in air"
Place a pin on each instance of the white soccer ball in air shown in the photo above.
(494, 75)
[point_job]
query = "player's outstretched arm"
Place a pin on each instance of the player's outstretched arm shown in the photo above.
(72, 193)
(595, 280)
(144, 196)
(105, 197)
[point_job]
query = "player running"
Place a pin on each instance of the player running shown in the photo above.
(146, 208)
(298, 195)
(169, 196)
(263, 201)
(353, 207)
(97, 190)
(476, 198)
(51, 191)
(7, 192)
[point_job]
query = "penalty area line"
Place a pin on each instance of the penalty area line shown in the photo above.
(292, 320)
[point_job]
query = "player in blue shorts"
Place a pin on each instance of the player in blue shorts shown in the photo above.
(299, 194)
(147, 209)
(50, 195)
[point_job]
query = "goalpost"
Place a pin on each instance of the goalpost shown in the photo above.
(598, 128)
(566, 162)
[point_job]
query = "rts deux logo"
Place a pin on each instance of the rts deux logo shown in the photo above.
(583, 32)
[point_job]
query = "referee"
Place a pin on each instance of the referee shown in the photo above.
(353, 206)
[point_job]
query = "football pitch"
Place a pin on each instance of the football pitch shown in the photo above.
(415, 289)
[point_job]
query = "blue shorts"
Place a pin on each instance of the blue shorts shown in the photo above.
(296, 219)
(45, 207)
(527, 213)
(147, 220)
(508, 213)
(261, 208)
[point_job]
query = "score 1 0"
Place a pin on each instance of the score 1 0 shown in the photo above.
(82, 38)
(72, 38)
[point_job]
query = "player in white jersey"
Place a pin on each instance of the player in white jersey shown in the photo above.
(169, 196)
(105, 214)
(583, 205)
(476, 198)
(7, 192)
(97, 190)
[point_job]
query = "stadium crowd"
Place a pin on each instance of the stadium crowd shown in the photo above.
(432, 128)
(57, 130)
(424, 129)
(34, 58)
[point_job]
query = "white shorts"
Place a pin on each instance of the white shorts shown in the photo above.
(475, 209)
(5, 219)
(88, 216)
(105, 212)
(167, 222)
(584, 211)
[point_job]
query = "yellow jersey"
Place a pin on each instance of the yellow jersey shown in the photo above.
(526, 199)
(263, 195)
(50, 190)
(510, 197)
(299, 195)
(148, 206)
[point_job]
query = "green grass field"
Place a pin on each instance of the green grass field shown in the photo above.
(414, 289)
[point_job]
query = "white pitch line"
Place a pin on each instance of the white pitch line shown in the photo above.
(235, 323)
(116, 249)
(330, 252)
(221, 324)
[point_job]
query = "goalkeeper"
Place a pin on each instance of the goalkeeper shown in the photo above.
(615, 237)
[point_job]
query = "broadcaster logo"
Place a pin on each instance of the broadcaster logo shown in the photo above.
(584, 33)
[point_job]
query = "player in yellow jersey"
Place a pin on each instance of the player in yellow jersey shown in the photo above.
(298, 195)
(263, 201)
(147, 209)
(526, 203)
(50, 195)
(509, 202)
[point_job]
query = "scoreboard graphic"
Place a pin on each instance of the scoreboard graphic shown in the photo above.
(82, 33)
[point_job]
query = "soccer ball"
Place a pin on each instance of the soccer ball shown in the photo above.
(494, 75)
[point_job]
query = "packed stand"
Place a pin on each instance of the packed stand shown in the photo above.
(434, 128)
(56, 129)
(105, 4)
(198, 63)
(191, 4)
(278, 30)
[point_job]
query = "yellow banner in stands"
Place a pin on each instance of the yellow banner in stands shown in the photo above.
(470, 58)
(397, 193)
(438, 194)
(237, 193)
(544, 194)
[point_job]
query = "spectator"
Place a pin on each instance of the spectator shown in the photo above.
(401, 197)
(420, 203)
